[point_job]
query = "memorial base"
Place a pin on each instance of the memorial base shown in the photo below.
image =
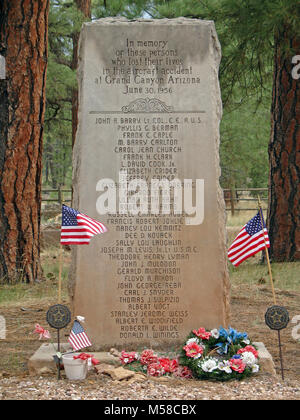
(42, 360)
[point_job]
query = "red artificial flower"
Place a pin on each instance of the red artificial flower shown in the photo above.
(126, 358)
(193, 350)
(148, 357)
(82, 356)
(249, 349)
(165, 363)
(173, 365)
(155, 369)
(183, 372)
(94, 361)
(168, 365)
(201, 333)
(237, 365)
(85, 356)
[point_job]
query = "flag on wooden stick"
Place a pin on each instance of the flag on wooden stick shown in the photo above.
(78, 338)
(77, 228)
(252, 238)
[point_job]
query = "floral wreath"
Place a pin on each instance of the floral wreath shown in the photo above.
(219, 354)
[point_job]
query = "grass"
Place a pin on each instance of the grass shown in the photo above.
(286, 276)
(22, 293)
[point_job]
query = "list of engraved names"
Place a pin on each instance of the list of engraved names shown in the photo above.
(148, 135)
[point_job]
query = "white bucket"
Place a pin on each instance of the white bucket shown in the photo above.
(76, 369)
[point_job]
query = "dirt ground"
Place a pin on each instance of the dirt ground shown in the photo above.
(248, 306)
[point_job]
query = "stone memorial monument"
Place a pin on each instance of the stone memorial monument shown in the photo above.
(146, 164)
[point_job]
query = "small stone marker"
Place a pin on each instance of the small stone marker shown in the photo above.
(146, 164)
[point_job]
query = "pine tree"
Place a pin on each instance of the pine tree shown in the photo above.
(23, 42)
(284, 150)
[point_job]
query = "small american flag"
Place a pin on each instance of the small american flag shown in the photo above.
(77, 228)
(78, 338)
(251, 239)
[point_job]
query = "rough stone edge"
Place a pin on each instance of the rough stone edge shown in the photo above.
(124, 20)
(216, 53)
(76, 160)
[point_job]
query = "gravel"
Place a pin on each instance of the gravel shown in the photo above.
(103, 388)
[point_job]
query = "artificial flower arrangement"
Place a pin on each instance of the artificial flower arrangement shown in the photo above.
(219, 354)
(150, 363)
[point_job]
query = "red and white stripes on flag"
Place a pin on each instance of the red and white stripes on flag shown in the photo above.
(77, 228)
(252, 238)
(78, 338)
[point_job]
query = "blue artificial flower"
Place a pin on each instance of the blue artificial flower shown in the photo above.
(236, 356)
(233, 334)
(223, 348)
(242, 336)
(230, 336)
(223, 333)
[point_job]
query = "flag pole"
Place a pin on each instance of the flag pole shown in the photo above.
(272, 285)
(59, 302)
(60, 268)
(267, 251)
(60, 273)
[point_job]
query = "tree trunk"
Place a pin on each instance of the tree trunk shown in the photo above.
(284, 154)
(85, 7)
(23, 42)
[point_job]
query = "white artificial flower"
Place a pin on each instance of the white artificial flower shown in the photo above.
(248, 358)
(215, 333)
(255, 368)
(192, 340)
(209, 365)
(246, 342)
(225, 366)
(197, 356)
